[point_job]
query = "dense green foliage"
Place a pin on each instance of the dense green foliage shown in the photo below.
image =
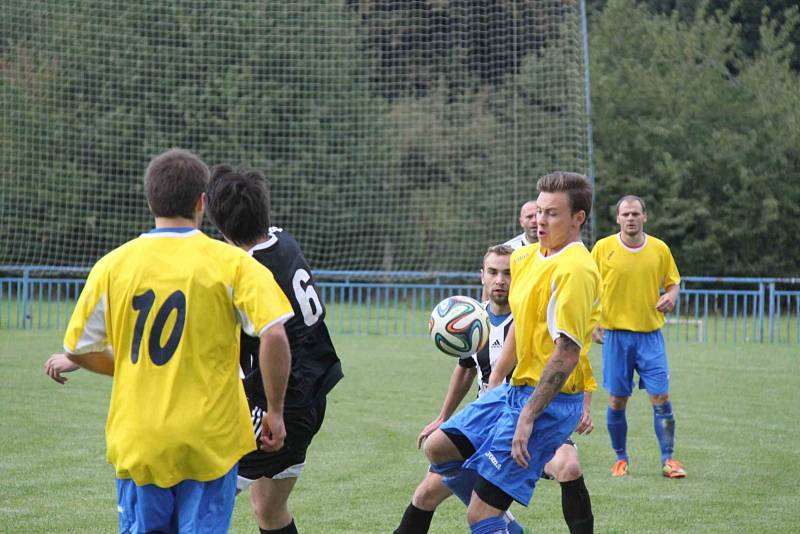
(373, 165)
(716, 154)
(404, 135)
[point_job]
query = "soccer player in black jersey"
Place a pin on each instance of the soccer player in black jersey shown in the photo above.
(238, 204)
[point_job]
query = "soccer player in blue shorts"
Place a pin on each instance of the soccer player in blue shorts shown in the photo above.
(161, 314)
(451, 438)
(635, 267)
(554, 298)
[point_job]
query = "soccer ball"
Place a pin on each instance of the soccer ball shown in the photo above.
(459, 326)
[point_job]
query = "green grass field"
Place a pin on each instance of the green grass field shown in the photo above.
(736, 407)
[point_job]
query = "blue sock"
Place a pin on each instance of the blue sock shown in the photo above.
(664, 424)
(617, 426)
(514, 527)
(492, 525)
(461, 484)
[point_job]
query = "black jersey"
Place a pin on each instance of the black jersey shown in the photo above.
(485, 358)
(315, 366)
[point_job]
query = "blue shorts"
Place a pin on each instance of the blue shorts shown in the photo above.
(190, 507)
(476, 419)
(625, 352)
(493, 459)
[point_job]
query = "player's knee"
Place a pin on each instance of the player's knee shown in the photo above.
(269, 513)
(430, 493)
(439, 449)
(569, 471)
(617, 403)
(659, 399)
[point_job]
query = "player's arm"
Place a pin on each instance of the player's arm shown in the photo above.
(585, 425)
(460, 383)
(275, 360)
(670, 281)
(666, 303)
(554, 375)
(507, 360)
(101, 362)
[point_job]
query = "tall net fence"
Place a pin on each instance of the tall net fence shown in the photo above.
(397, 135)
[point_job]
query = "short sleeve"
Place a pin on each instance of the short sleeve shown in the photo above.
(260, 303)
(86, 331)
(572, 303)
(597, 253)
(672, 276)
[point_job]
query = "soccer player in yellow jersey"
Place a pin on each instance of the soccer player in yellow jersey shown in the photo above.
(161, 314)
(554, 298)
(635, 267)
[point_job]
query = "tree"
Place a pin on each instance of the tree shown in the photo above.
(716, 155)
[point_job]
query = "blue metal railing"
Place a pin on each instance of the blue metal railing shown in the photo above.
(709, 309)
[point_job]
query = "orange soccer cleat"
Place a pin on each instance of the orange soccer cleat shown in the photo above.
(620, 468)
(673, 469)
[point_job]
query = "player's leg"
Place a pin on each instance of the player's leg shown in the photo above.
(458, 438)
(501, 479)
(486, 508)
(428, 495)
(653, 371)
(576, 504)
(272, 475)
(446, 451)
(618, 367)
(269, 498)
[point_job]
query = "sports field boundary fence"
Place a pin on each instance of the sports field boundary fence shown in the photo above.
(709, 310)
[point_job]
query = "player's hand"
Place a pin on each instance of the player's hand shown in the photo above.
(666, 303)
(429, 429)
(519, 445)
(585, 424)
(57, 364)
(273, 432)
(598, 334)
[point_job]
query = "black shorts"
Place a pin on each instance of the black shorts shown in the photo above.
(301, 426)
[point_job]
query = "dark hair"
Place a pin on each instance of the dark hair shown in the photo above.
(500, 250)
(576, 186)
(237, 200)
(627, 198)
(174, 182)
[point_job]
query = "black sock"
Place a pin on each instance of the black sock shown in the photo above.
(415, 521)
(288, 529)
(577, 507)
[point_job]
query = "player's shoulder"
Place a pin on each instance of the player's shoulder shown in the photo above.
(577, 258)
(522, 254)
(607, 241)
(656, 243)
(516, 242)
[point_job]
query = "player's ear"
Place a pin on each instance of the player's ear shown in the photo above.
(580, 217)
(201, 203)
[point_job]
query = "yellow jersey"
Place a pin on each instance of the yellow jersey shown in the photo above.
(170, 304)
(632, 278)
(550, 296)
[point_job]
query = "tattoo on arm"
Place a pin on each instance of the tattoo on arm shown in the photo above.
(555, 374)
(565, 343)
